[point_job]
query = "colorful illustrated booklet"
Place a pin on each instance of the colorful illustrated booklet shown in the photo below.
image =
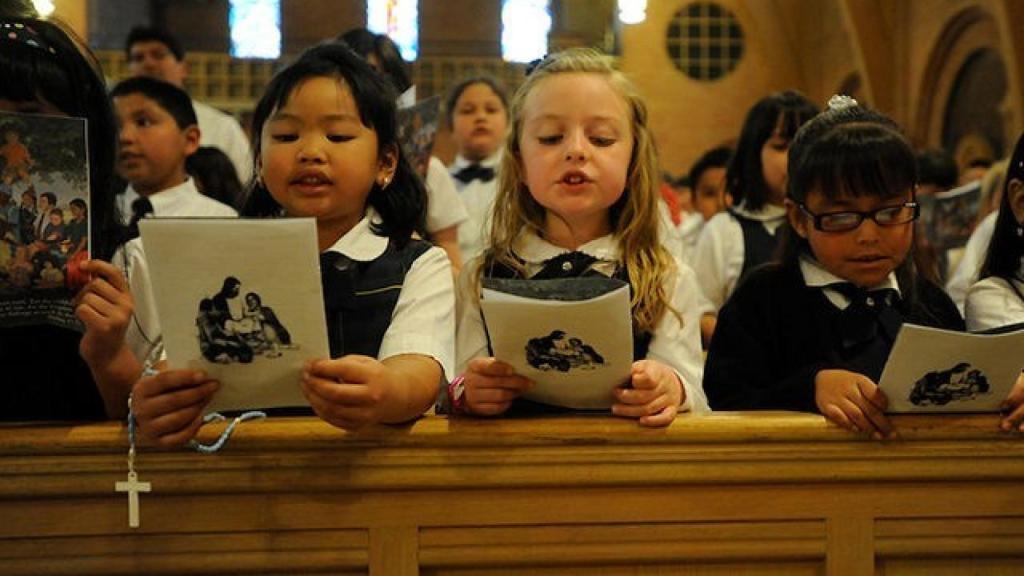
(573, 337)
(935, 370)
(44, 218)
(241, 300)
(417, 131)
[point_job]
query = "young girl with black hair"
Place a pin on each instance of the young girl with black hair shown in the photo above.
(326, 146)
(736, 241)
(997, 300)
(813, 331)
(477, 115)
(53, 372)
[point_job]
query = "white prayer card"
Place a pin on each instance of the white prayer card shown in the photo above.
(577, 352)
(935, 370)
(241, 300)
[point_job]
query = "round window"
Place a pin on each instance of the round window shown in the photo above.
(704, 41)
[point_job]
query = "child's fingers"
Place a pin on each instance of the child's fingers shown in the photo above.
(636, 395)
(879, 424)
(174, 428)
(513, 383)
(337, 393)
(490, 367)
(1013, 419)
(835, 415)
(351, 368)
(488, 408)
(636, 411)
(167, 381)
(872, 393)
(663, 418)
(108, 272)
(153, 407)
(491, 395)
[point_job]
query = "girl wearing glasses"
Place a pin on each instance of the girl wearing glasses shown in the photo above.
(813, 331)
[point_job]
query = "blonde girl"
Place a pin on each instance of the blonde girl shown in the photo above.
(577, 195)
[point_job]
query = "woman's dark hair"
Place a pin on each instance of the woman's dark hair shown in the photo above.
(365, 43)
(781, 113)
(68, 77)
(458, 89)
(1007, 248)
(852, 151)
(215, 175)
(402, 205)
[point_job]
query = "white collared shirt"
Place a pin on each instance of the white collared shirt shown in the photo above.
(966, 273)
(181, 201)
(816, 276)
(423, 321)
(718, 258)
(673, 345)
(992, 303)
(444, 206)
(478, 198)
(222, 131)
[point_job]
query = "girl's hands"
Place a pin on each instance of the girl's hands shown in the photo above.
(852, 401)
(1014, 405)
(491, 386)
(349, 392)
(105, 306)
(655, 396)
(168, 407)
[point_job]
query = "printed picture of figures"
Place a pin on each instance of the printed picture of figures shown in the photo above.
(232, 331)
(960, 383)
(558, 351)
(417, 129)
(44, 209)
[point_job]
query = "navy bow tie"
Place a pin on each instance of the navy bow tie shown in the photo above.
(475, 172)
(868, 311)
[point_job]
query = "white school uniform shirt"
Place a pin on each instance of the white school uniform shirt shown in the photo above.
(444, 206)
(671, 344)
(966, 273)
(183, 200)
(815, 276)
(423, 321)
(718, 258)
(992, 303)
(144, 336)
(222, 131)
(478, 198)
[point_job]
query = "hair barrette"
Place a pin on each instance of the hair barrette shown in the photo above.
(24, 34)
(841, 102)
(538, 63)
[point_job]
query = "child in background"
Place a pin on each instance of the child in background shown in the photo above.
(577, 196)
(17, 159)
(445, 211)
(998, 299)
(50, 372)
(158, 132)
(813, 331)
(326, 147)
(477, 114)
(737, 241)
(215, 175)
(707, 181)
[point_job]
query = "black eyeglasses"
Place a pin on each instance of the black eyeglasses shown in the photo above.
(850, 220)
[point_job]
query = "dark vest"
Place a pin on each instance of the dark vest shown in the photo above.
(360, 297)
(758, 244)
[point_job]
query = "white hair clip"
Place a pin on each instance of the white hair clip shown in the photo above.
(841, 102)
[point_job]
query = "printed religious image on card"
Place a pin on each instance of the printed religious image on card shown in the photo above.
(44, 218)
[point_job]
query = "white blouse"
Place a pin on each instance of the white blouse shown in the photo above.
(992, 303)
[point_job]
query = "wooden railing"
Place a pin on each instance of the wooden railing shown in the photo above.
(764, 493)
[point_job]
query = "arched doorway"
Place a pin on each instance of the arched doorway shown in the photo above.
(973, 126)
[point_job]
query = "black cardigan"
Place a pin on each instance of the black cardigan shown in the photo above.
(775, 334)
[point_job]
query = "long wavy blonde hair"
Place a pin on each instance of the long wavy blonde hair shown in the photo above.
(634, 217)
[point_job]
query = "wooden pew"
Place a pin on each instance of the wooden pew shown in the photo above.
(729, 493)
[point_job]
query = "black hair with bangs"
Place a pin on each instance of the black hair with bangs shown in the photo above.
(70, 78)
(1006, 250)
(782, 113)
(402, 205)
(850, 152)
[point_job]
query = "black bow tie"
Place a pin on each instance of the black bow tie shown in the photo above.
(568, 265)
(475, 172)
(868, 311)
